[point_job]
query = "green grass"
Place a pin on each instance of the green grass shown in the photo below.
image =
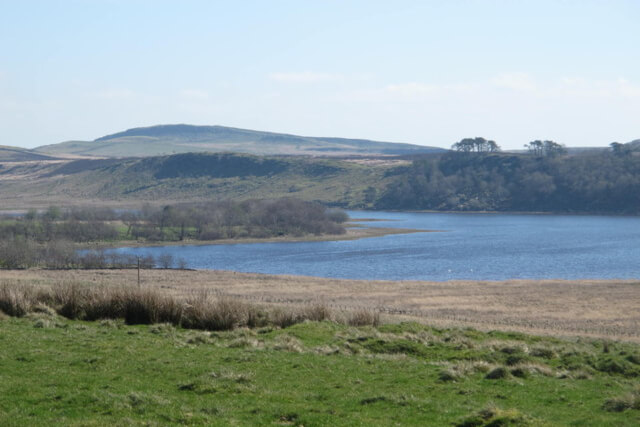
(58, 371)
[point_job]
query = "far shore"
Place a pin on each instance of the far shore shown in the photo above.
(25, 206)
(354, 232)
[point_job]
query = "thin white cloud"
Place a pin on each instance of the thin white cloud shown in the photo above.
(305, 77)
(194, 94)
(627, 88)
(515, 81)
(417, 90)
(114, 94)
(411, 88)
(620, 87)
(520, 84)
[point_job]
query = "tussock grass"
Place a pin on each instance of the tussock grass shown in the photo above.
(214, 314)
(622, 403)
(75, 300)
(498, 373)
(493, 416)
(16, 299)
(447, 375)
(288, 343)
(363, 317)
(543, 352)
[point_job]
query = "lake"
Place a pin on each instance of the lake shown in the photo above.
(468, 246)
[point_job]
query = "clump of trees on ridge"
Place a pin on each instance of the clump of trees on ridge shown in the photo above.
(478, 177)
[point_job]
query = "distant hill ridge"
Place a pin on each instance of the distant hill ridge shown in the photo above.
(183, 138)
(635, 143)
(17, 154)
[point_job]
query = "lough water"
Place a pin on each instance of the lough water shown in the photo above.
(469, 246)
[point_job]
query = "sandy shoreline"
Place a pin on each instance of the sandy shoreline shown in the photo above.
(608, 309)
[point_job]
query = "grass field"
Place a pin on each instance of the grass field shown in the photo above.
(205, 366)
(63, 372)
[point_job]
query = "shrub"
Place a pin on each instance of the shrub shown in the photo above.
(165, 260)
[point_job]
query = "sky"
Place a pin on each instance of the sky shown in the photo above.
(422, 72)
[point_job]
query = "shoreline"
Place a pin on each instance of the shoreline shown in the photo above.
(22, 210)
(354, 232)
(540, 213)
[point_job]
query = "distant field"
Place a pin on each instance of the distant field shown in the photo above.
(590, 308)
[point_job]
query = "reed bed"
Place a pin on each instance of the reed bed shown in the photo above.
(146, 305)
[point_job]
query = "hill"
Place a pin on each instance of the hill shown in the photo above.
(192, 177)
(592, 182)
(173, 139)
(635, 144)
(17, 154)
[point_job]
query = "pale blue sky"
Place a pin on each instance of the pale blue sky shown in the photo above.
(424, 72)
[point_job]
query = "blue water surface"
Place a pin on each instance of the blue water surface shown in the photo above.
(467, 246)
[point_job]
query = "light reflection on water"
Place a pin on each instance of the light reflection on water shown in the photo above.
(470, 246)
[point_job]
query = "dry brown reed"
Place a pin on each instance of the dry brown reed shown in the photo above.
(363, 317)
(76, 300)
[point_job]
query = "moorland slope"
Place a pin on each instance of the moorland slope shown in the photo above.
(182, 138)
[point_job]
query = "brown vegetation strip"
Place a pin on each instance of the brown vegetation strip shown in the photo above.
(594, 308)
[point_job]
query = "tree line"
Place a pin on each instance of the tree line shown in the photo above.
(50, 238)
(544, 180)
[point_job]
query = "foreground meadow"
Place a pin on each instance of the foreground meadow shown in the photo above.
(76, 354)
(56, 370)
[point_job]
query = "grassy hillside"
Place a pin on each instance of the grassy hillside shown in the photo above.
(172, 139)
(191, 177)
(595, 182)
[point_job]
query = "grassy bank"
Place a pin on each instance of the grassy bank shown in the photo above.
(60, 371)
